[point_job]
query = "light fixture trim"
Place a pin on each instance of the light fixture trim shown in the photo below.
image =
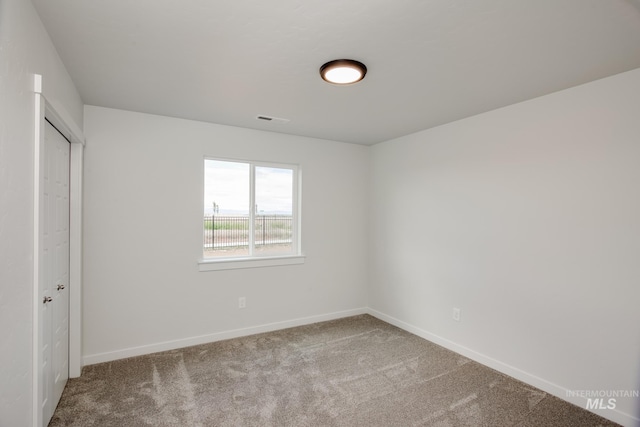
(343, 71)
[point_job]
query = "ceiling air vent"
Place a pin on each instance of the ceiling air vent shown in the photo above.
(270, 119)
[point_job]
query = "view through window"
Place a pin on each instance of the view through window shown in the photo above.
(249, 209)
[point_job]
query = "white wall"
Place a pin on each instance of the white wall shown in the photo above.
(526, 218)
(143, 234)
(25, 49)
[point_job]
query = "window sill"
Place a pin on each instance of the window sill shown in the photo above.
(210, 264)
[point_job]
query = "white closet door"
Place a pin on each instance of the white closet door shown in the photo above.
(54, 284)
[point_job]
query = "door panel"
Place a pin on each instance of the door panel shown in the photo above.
(61, 277)
(46, 272)
(54, 283)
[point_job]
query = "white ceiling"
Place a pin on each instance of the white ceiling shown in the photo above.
(430, 61)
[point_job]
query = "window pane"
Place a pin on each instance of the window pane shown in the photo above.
(226, 208)
(274, 210)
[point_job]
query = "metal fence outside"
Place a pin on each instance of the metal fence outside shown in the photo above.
(223, 231)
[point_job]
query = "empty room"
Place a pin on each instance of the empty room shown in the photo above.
(320, 213)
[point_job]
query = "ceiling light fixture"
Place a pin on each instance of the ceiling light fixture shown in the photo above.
(343, 71)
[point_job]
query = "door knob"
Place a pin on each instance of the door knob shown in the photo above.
(60, 287)
(47, 299)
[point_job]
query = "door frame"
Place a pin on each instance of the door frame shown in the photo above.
(60, 118)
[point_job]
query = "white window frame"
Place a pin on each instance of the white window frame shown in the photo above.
(252, 260)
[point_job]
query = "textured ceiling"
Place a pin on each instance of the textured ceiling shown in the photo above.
(429, 61)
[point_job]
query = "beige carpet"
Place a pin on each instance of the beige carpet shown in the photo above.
(357, 371)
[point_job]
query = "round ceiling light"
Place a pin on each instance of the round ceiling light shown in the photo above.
(343, 71)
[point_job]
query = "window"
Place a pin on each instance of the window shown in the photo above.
(250, 211)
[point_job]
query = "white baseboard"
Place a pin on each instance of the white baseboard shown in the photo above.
(92, 359)
(614, 415)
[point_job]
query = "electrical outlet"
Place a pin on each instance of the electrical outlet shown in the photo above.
(456, 314)
(242, 302)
